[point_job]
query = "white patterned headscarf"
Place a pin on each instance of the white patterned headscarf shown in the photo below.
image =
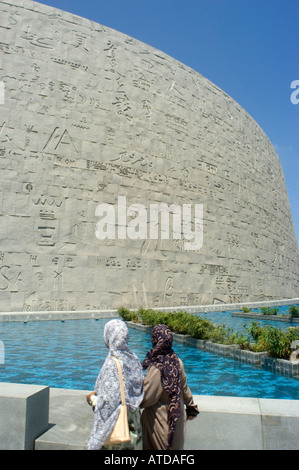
(116, 335)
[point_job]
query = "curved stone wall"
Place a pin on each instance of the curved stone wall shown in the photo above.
(89, 114)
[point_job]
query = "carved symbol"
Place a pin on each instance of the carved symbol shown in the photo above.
(30, 129)
(46, 215)
(58, 281)
(41, 41)
(57, 138)
(39, 277)
(46, 237)
(5, 278)
(168, 289)
(9, 277)
(29, 187)
(80, 41)
(2, 127)
(33, 259)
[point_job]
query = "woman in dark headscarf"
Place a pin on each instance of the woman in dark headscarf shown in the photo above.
(107, 400)
(165, 394)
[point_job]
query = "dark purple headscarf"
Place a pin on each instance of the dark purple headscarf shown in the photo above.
(165, 359)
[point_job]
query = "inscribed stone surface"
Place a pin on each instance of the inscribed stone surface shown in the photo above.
(90, 114)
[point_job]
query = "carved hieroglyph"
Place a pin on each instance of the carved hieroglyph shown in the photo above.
(89, 114)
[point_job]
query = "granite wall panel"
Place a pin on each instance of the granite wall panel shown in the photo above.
(90, 114)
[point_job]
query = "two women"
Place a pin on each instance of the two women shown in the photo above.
(162, 393)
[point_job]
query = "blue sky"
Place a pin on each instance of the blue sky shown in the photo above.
(249, 48)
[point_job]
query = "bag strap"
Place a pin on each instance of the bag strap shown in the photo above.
(122, 390)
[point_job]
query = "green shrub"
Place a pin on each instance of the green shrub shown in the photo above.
(254, 330)
(174, 321)
(268, 338)
(277, 342)
(128, 315)
(152, 317)
(273, 340)
(269, 310)
(246, 310)
(294, 311)
(200, 328)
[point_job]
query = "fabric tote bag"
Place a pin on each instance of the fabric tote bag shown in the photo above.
(121, 431)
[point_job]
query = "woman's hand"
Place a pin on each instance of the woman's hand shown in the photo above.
(88, 397)
(192, 412)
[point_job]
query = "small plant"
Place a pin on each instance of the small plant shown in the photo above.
(275, 341)
(269, 310)
(253, 340)
(278, 342)
(246, 310)
(128, 315)
(294, 311)
(254, 330)
(152, 317)
(201, 329)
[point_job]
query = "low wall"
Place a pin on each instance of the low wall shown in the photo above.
(24, 415)
(86, 314)
(224, 423)
(57, 315)
(231, 423)
(260, 316)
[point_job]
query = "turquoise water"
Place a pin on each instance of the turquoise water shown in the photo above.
(70, 354)
(238, 324)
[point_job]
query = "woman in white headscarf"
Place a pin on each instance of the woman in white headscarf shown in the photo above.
(107, 389)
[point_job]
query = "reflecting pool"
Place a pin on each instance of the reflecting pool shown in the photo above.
(70, 354)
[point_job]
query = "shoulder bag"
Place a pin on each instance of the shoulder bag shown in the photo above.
(121, 431)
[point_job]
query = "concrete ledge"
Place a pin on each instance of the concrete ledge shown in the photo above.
(224, 423)
(57, 315)
(24, 412)
(231, 423)
(261, 316)
(228, 307)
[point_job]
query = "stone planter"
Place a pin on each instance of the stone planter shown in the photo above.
(280, 366)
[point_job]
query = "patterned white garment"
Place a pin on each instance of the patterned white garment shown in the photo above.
(107, 388)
